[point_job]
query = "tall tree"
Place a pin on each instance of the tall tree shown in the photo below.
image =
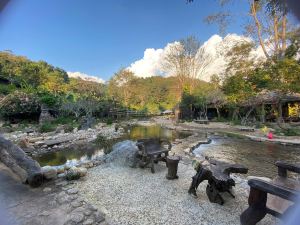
(187, 61)
(268, 24)
(120, 86)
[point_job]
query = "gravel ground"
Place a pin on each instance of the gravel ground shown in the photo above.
(135, 196)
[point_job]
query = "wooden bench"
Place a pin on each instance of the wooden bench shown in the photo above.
(151, 151)
(276, 197)
(217, 174)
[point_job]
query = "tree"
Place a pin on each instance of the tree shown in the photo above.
(217, 98)
(187, 61)
(269, 24)
(120, 86)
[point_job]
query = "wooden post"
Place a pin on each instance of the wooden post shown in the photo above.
(263, 113)
(279, 112)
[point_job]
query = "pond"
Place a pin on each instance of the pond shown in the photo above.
(78, 153)
(259, 157)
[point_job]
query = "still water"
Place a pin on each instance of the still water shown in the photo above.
(83, 152)
(259, 157)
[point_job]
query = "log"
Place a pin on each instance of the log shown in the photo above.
(27, 169)
(217, 173)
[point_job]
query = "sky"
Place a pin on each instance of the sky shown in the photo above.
(98, 37)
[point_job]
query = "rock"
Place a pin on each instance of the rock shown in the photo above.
(47, 189)
(72, 191)
(45, 116)
(67, 167)
(92, 207)
(29, 130)
(88, 222)
(76, 204)
(60, 140)
(61, 183)
(87, 122)
(73, 174)
(87, 212)
(24, 143)
(123, 153)
(87, 165)
(33, 140)
(63, 198)
(75, 130)
(61, 175)
(49, 172)
(77, 217)
(99, 217)
(60, 169)
(45, 213)
(40, 143)
(82, 171)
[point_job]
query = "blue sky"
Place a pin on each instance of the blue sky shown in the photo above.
(98, 37)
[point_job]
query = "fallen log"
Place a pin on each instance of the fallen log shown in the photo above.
(27, 169)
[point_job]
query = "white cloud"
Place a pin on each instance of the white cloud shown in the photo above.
(215, 47)
(149, 65)
(152, 62)
(84, 76)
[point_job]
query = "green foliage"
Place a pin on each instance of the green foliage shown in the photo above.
(291, 132)
(19, 104)
(47, 127)
(49, 99)
(7, 89)
(109, 121)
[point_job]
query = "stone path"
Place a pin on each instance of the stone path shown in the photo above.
(56, 203)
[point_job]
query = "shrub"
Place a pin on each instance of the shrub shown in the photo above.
(47, 127)
(291, 132)
(68, 128)
(7, 88)
(20, 105)
(49, 100)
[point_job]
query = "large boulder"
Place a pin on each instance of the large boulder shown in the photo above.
(123, 153)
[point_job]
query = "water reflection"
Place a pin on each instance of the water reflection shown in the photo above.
(257, 156)
(80, 153)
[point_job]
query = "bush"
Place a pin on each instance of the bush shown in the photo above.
(68, 128)
(291, 132)
(20, 105)
(64, 120)
(49, 100)
(47, 127)
(7, 88)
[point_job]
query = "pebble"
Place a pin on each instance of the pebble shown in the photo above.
(45, 213)
(72, 191)
(87, 212)
(76, 204)
(77, 218)
(47, 189)
(99, 217)
(61, 183)
(88, 222)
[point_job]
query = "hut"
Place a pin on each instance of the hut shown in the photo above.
(274, 106)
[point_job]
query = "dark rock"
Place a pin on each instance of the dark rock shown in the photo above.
(87, 122)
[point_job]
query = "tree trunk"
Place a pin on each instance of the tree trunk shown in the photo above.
(218, 113)
(279, 119)
(259, 29)
(263, 113)
(27, 169)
